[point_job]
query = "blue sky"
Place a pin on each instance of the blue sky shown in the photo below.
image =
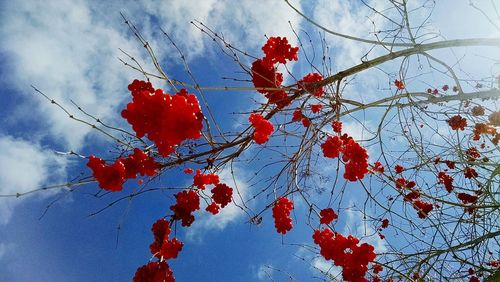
(70, 51)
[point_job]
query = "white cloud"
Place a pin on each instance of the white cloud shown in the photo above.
(357, 130)
(25, 167)
(318, 264)
(67, 53)
(243, 23)
(70, 51)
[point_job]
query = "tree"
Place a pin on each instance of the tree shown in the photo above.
(425, 175)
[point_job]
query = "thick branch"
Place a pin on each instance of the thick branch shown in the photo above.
(408, 52)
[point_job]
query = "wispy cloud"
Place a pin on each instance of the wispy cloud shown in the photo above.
(325, 267)
(356, 226)
(263, 273)
(348, 17)
(25, 166)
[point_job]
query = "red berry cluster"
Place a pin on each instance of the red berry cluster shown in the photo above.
(474, 279)
(200, 179)
(377, 167)
(356, 161)
(377, 268)
(346, 253)
(473, 154)
(162, 247)
(264, 73)
(213, 208)
(430, 91)
(308, 84)
(337, 126)
(399, 84)
(140, 163)
(332, 147)
(298, 116)
(187, 202)
(450, 164)
(493, 263)
(469, 172)
(112, 177)
(457, 122)
(413, 195)
(278, 50)
(399, 169)
(403, 182)
(306, 122)
(263, 128)
(423, 208)
(354, 156)
(154, 272)
(446, 180)
(315, 108)
(166, 119)
(327, 216)
(385, 223)
(264, 76)
(222, 194)
(281, 214)
(467, 198)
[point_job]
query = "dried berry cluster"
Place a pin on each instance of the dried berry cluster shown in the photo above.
(457, 122)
